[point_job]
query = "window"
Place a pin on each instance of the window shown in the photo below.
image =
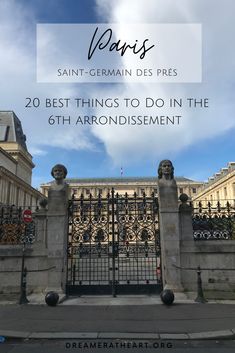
(100, 191)
(181, 190)
(142, 191)
(3, 132)
(194, 190)
(87, 191)
(225, 193)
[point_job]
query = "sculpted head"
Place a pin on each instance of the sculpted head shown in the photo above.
(166, 170)
(59, 172)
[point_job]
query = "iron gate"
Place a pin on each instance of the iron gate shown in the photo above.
(114, 245)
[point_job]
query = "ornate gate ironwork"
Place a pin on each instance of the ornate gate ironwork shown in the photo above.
(214, 222)
(13, 230)
(114, 245)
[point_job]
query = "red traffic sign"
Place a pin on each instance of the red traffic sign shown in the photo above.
(27, 216)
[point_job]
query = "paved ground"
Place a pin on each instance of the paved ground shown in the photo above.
(127, 323)
(118, 318)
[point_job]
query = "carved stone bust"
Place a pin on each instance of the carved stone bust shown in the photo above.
(166, 170)
(59, 172)
(167, 188)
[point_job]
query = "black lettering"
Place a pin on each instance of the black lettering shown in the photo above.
(99, 43)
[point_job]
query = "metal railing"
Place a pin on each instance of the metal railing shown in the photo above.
(213, 221)
(13, 229)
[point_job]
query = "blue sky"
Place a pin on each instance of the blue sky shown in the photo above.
(63, 11)
(203, 145)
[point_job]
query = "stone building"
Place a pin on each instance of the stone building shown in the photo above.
(15, 164)
(220, 187)
(122, 185)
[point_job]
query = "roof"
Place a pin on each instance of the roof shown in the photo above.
(11, 129)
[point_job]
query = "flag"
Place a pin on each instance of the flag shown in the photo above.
(121, 171)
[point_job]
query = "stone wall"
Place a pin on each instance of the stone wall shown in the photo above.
(45, 258)
(215, 258)
(217, 262)
(36, 261)
(10, 272)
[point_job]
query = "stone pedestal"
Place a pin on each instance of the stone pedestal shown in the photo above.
(40, 219)
(170, 234)
(57, 231)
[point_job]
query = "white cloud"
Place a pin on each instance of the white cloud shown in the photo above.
(131, 144)
(34, 151)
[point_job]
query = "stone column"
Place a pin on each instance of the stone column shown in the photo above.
(169, 226)
(57, 231)
(40, 219)
(186, 225)
(187, 245)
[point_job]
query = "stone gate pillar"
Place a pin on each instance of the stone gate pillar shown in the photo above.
(57, 217)
(169, 226)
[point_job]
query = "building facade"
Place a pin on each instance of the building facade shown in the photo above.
(15, 164)
(122, 185)
(220, 187)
